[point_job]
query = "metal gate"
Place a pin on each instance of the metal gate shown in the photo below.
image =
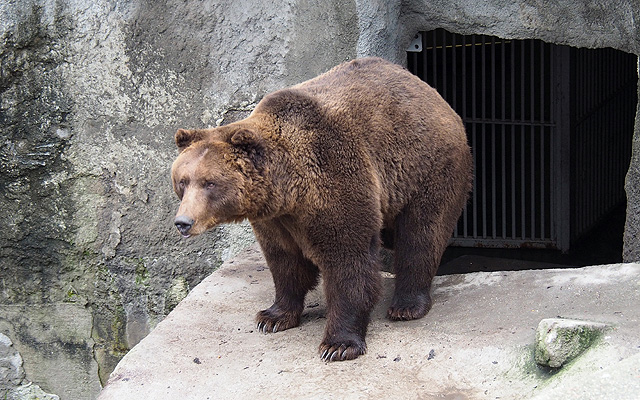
(532, 151)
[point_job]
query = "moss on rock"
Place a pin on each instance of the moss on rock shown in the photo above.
(559, 340)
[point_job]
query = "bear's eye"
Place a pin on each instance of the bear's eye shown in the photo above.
(209, 185)
(181, 184)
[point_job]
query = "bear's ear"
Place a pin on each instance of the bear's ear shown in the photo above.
(185, 137)
(249, 142)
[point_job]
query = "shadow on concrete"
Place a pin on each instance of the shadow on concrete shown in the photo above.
(602, 245)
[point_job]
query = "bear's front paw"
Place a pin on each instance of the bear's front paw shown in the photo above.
(406, 308)
(273, 320)
(342, 350)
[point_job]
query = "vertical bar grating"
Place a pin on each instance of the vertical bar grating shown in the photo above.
(546, 126)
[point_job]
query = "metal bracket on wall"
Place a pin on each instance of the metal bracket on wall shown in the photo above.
(416, 44)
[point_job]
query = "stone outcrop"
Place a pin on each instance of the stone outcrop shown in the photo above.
(13, 385)
(560, 340)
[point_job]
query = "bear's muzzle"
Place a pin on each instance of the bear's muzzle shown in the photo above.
(184, 224)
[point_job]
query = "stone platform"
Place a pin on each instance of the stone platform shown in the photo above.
(477, 342)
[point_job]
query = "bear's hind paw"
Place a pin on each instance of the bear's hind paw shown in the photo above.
(409, 309)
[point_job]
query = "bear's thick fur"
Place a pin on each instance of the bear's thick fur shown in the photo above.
(320, 170)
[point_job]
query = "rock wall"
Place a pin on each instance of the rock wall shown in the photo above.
(90, 96)
(387, 27)
(631, 250)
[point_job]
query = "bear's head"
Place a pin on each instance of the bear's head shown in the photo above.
(213, 175)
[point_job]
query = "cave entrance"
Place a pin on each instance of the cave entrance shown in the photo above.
(551, 129)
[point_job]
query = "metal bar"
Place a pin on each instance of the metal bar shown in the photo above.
(532, 187)
(609, 126)
(464, 78)
(503, 89)
(483, 83)
(523, 194)
(489, 121)
(454, 74)
(584, 91)
(444, 65)
(493, 139)
(414, 61)
(615, 117)
(465, 212)
(553, 193)
(601, 135)
(562, 153)
(584, 195)
(425, 56)
(596, 188)
(434, 58)
(473, 134)
(513, 143)
(504, 244)
(543, 131)
(596, 140)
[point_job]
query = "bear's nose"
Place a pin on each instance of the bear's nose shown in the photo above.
(184, 224)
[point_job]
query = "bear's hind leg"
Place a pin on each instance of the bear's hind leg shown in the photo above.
(293, 276)
(419, 243)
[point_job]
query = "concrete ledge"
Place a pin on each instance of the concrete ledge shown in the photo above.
(477, 341)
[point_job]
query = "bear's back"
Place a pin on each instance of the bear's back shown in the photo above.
(392, 112)
(374, 115)
(370, 98)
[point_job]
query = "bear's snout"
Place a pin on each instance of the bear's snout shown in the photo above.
(184, 224)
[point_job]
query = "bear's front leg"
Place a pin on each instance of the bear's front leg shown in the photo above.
(351, 291)
(293, 276)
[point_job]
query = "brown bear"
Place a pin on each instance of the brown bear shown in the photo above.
(325, 171)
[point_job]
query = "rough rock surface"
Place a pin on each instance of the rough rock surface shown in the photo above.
(560, 340)
(91, 95)
(477, 342)
(13, 385)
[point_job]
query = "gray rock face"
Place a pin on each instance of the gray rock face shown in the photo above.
(11, 372)
(91, 95)
(387, 27)
(631, 249)
(13, 385)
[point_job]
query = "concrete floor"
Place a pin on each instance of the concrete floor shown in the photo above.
(476, 342)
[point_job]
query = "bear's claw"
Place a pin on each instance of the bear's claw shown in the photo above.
(269, 321)
(341, 351)
(405, 308)
(263, 327)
